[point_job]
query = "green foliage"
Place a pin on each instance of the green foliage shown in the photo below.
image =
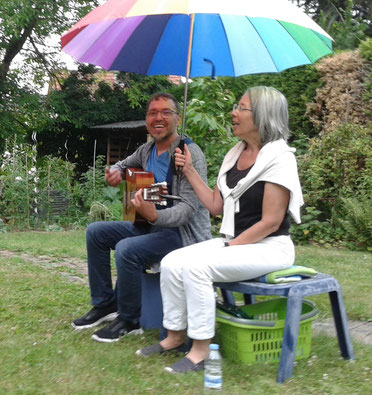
(86, 99)
(102, 202)
(139, 88)
(45, 194)
(309, 226)
(348, 31)
(207, 123)
(337, 12)
(298, 85)
(28, 189)
(312, 230)
(366, 49)
(25, 31)
(54, 173)
(366, 53)
(22, 110)
(92, 182)
(337, 166)
(56, 202)
(17, 182)
(356, 221)
(99, 212)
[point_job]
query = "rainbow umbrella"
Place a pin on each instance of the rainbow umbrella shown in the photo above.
(197, 38)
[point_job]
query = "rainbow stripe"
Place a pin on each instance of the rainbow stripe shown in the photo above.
(144, 37)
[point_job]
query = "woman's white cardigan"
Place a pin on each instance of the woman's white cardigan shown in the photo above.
(275, 163)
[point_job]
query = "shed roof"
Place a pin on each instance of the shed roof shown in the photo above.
(121, 125)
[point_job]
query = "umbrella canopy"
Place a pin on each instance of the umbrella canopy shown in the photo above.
(197, 37)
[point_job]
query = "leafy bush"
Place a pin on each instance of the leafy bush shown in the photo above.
(44, 194)
(207, 123)
(100, 202)
(356, 221)
(365, 48)
(313, 230)
(108, 206)
(298, 85)
(366, 53)
(337, 166)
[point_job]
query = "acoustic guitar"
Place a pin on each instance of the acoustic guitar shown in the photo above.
(136, 179)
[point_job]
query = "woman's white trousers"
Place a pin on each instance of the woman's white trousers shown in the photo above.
(187, 277)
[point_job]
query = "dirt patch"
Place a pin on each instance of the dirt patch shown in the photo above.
(359, 330)
(72, 268)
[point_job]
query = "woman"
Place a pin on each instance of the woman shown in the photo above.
(257, 188)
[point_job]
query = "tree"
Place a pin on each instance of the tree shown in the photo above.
(355, 14)
(26, 27)
(331, 8)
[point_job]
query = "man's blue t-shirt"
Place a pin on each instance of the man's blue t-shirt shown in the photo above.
(158, 165)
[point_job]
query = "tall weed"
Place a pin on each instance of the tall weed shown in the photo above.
(18, 186)
(46, 194)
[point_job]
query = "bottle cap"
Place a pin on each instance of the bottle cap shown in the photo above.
(214, 346)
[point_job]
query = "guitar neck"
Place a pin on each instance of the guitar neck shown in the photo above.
(153, 194)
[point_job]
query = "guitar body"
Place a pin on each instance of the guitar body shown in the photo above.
(134, 180)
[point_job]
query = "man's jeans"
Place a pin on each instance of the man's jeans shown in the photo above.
(135, 246)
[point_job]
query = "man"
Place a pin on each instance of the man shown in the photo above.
(183, 223)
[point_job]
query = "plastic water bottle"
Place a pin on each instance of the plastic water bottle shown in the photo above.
(213, 370)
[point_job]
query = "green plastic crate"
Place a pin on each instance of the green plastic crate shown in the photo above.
(260, 339)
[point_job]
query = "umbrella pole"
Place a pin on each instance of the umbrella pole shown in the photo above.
(188, 64)
(181, 145)
(184, 108)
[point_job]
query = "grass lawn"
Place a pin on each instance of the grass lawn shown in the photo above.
(41, 354)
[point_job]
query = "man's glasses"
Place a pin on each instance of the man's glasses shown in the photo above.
(163, 113)
(238, 108)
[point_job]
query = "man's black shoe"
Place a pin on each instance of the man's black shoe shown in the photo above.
(95, 316)
(117, 329)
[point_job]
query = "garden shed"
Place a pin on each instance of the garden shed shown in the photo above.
(122, 138)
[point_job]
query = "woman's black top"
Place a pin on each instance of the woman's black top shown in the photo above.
(251, 204)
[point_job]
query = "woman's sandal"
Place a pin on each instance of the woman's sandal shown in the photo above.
(158, 349)
(185, 365)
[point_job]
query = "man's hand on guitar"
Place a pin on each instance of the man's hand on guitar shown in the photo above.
(143, 207)
(113, 177)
